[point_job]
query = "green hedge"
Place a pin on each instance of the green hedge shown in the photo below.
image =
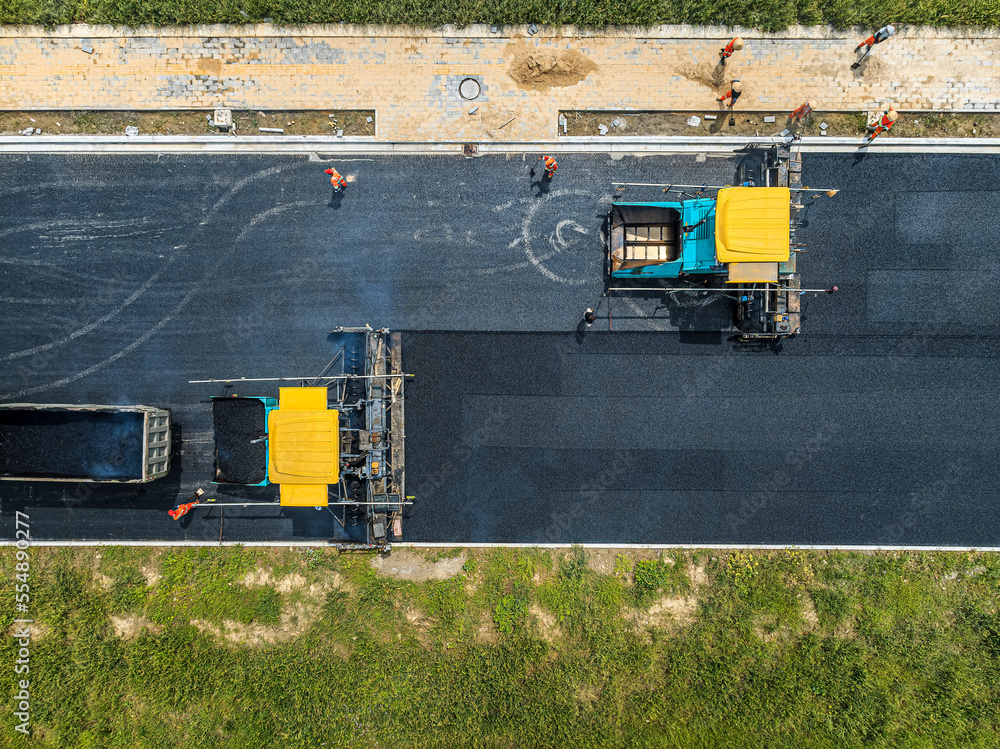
(770, 15)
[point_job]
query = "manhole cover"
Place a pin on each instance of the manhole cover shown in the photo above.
(469, 88)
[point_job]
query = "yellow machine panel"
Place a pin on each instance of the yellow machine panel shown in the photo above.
(304, 441)
(752, 225)
(304, 495)
(753, 273)
(304, 447)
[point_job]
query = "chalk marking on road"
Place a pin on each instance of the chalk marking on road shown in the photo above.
(138, 293)
(180, 306)
(90, 326)
(537, 261)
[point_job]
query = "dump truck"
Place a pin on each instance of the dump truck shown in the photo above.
(740, 241)
(333, 441)
(94, 443)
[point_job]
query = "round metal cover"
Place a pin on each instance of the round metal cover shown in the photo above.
(469, 88)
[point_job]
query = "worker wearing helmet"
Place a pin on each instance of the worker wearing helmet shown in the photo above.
(877, 38)
(733, 93)
(338, 182)
(550, 166)
(803, 111)
(734, 46)
(885, 123)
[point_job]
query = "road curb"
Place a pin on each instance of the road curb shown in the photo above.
(861, 548)
(333, 147)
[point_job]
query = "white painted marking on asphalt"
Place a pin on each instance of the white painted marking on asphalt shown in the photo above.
(213, 274)
(456, 545)
(539, 262)
(142, 289)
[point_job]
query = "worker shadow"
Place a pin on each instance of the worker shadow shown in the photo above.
(719, 74)
(336, 199)
(860, 66)
(860, 154)
(542, 185)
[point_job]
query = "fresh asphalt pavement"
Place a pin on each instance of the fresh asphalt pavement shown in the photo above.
(125, 277)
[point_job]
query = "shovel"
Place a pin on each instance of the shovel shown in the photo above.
(534, 166)
(864, 57)
(732, 118)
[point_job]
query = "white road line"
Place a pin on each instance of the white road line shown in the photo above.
(312, 145)
(441, 545)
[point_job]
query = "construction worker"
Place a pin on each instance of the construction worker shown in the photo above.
(803, 111)
(733, 93)
(884, 125)
(182, 510)
(589, 316)
(338, 182)
(877, 38)
(734, 46)
(550, 166)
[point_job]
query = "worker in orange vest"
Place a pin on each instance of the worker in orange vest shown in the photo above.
(733, 93)
(184, 509)
(338, 182)
(884, 125)
(803, 111)
(877, 38)
(734, 46)
(550, 166)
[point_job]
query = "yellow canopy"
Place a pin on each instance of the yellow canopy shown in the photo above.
(751, 225)
(304, 446)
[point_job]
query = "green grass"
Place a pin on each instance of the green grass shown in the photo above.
(521, 648)
(764, 14)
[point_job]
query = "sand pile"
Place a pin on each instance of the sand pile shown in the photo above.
(539, 69)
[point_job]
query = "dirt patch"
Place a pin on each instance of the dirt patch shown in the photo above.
(547, 626)
(602, 561)
(842, 124)
(542, 69)
(711, 78)
(188, 122)
(103, 580)
(130, 627)
(699, 578)
(809, 615)
(152, 576)
(486, 633)
(408, 565)
(671, 612)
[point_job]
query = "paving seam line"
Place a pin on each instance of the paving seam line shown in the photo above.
(310, 144)
(457, 545)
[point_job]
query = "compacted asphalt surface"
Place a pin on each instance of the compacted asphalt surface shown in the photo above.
(122, 278)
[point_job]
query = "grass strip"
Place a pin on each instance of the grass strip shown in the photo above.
(509, 647)
(768, 15)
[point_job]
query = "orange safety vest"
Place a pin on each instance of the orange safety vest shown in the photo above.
(802, 111)
(886, 122)
(550, 164)
(729, 48)
(335, 179)
(182, 510)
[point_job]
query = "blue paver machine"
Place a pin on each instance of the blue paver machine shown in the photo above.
(739, 241)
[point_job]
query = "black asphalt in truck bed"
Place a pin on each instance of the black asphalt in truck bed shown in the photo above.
(96, 445)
